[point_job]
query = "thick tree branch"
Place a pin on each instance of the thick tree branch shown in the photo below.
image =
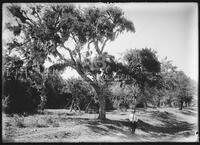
(73, 37)
(38, 17)
(104, 44)
(89, 45)
(117, 30)
(28, 18)
(97, 47)
(86, 78)
(62, 66)
(61, 56)
(70, 53)
(78, 45)
(94, 77)
(79, 54)
(110, 17)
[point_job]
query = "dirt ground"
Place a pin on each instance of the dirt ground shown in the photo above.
(154, 125)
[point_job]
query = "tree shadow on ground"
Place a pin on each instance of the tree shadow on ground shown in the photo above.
(169, 124)
(188, 112)
(108, 127)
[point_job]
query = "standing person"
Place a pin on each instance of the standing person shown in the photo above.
(133, 121)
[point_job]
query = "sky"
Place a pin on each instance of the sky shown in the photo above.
(169, 28)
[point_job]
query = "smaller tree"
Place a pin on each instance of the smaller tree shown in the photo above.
(176, 85)
(56, 92)
(126, 95)
(144, 70)
(184, 88)
(81, 93)
(169, 83)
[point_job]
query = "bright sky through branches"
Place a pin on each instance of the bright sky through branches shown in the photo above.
(169, 28)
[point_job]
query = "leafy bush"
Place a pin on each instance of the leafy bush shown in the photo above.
(21, 90)
(57, 96)
(81, 92)
(5, 103)
(123, 106)
(19, 121)
(22, 97)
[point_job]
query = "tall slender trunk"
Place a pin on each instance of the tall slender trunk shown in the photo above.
(181, 105)
(158, 104)
(135, 102)
(145, 104)
(88, 105)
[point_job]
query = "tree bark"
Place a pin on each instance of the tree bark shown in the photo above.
(101, 98)
(135, 104)
(145, 104)
(181, 105)
(158, 104)
(86, 109)
(72, 106)
(102, 109)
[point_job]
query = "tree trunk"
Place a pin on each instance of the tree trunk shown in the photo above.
(135, 102)
(71, 107)
(102, 112)
(86, 109)
(102, 102)
(102, 107)
(145, 104)
(158, 104)
(181, 105)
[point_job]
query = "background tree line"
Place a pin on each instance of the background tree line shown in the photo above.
(26, 90)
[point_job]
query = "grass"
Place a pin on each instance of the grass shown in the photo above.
(61, 126)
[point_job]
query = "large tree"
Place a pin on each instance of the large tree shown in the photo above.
(41, 31)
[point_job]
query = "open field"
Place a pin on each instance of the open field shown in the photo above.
(155, 125)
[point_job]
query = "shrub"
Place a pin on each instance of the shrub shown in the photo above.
(40, 123)
(20, 97)
(5, 103)
(22, 86)
(52, 122)
(19, 121)
(123, 106)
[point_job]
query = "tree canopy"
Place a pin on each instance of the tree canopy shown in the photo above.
(43, 30)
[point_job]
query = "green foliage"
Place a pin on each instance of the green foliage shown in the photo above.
(144, 66)
(143, 71)
(50, 26)
(56, 91)
(22, 86)
(184, 88)
(21, 96)
(47, 28)
(149, 60)
(81, 92)
(123, 95)
(40, 31)
(177, 87)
